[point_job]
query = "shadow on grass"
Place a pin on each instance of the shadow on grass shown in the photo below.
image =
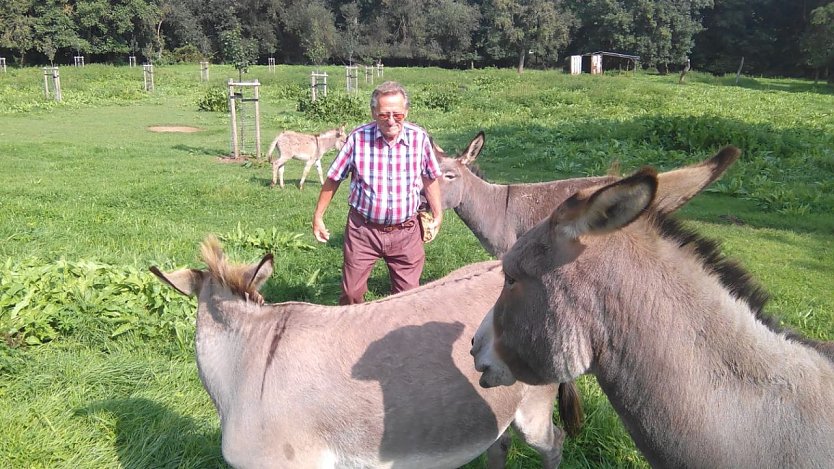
(768, 84)
(150, 435)
(191, 150)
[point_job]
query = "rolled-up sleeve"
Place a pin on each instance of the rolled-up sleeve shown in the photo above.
(344, 160)
(431, 168)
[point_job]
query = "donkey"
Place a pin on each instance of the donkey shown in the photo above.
(521, 206)
(498, 214)
(304, 147)
(382, 384)
(674, 332)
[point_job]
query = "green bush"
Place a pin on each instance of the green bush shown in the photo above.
(444, 97)
(292, 91)
(187, 54)
(335, 107)
(40, 302)
(214, 100)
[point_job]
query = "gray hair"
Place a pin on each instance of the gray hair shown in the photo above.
(387, 88)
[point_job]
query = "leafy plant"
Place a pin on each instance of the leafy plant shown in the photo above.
(214, 100)
(335, 107)
(444, 97)
(40, 302)
(262, 240)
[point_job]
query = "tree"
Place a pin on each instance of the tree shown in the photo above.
(451, 25)
(818, 42)
(17, 27)
(350, 32)
(313, 27)
(237, 50)
(54, 28)
(520, 27)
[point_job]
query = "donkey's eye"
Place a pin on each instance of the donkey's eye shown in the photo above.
(449, 176)
(509, 280)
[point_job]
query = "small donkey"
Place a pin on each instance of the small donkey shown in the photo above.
(304, 147)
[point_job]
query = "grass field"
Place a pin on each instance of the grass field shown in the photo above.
(97, 365)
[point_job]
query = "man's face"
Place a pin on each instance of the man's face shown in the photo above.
(390, 114)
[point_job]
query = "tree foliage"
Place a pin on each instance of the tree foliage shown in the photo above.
(818, 42)
(522, 27)
(773, 36)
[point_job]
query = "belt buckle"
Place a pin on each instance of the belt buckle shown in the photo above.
(389, 228)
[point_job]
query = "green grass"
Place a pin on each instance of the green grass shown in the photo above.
(90, 199)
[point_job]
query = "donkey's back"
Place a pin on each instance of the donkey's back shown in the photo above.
(382, 384)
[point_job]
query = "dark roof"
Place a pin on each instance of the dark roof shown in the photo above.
(613, 54)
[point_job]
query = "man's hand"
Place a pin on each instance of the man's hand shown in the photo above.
(429, 225)
(320, 231)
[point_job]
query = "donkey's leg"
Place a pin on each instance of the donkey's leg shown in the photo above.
(534, 420)
(281, 176)
(278, 169)
(318, 168)
(307, 165)
(497, 453)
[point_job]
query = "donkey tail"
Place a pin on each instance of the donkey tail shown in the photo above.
(272, 148)
(570, 408)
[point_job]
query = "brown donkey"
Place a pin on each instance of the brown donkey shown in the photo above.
(303, 147)
(674, 332)
(383, 384)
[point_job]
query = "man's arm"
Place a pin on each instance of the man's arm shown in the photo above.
(325, 196)
(432, 190)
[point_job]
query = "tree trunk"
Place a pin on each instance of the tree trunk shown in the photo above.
(159, 40)
(521, 57)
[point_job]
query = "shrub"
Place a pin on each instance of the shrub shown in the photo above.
(335, 107)
(187, 54)
(214, 100)
(444, 97)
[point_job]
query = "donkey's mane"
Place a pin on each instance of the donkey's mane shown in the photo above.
(734, 278)
(233, 276)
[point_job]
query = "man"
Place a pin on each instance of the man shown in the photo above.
(390, 160)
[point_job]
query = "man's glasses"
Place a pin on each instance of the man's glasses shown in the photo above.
(384, 116)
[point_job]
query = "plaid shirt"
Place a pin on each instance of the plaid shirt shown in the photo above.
(387, 179)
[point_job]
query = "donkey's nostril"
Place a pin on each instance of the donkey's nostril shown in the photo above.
(472, 342)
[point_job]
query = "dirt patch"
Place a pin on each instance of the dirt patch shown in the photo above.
(174, 128)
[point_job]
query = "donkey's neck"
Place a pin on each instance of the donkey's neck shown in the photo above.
(326, 140)
(483, 208)
(683, 354)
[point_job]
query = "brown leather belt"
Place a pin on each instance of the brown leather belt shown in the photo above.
(385, 228)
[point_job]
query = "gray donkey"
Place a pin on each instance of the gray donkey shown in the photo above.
(498, 214)
(675, 333)
(383, 384)
(304, 147)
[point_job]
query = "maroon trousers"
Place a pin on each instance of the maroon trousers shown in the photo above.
(400, 247)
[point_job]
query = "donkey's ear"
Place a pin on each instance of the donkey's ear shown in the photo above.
(606, 209)
(473, 150)
(436, 148)
(185, 281)
(677, 187)
(258, 275)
